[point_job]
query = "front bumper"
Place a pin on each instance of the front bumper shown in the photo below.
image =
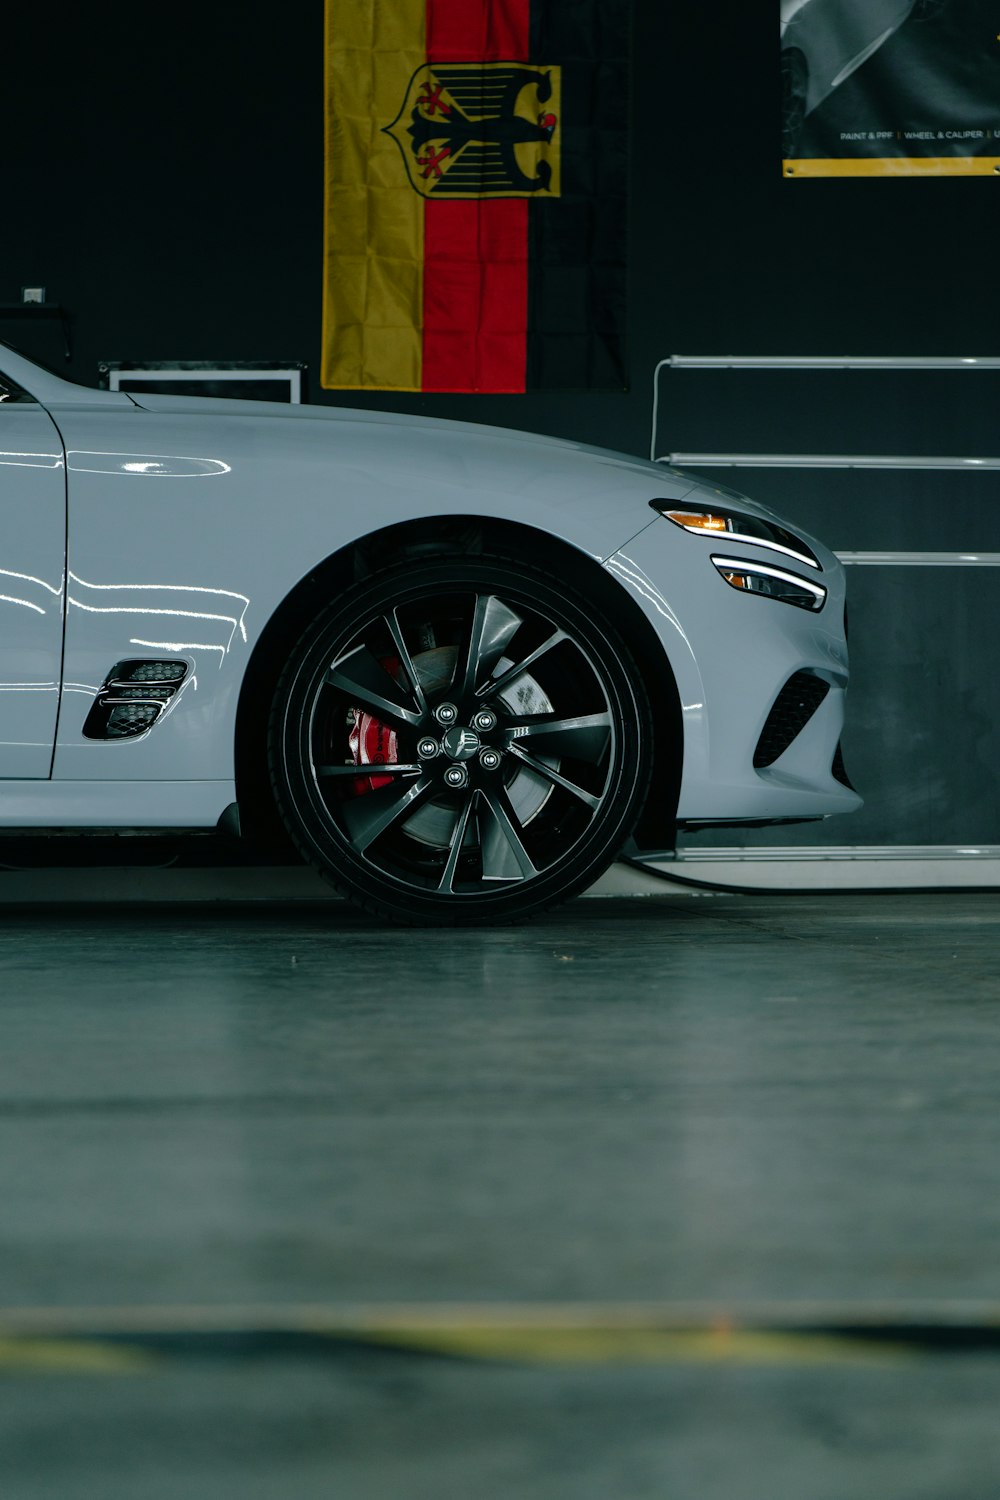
(731, 655)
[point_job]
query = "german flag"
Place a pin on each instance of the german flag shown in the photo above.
(476, 179)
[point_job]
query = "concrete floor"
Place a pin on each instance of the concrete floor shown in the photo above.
(693, 1198)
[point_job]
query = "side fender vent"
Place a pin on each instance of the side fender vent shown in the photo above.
(132, 698)
(794, 706)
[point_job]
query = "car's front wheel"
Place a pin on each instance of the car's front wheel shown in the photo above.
(458, 741)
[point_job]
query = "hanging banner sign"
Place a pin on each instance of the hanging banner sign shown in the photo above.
(476, 176)
(890, 88)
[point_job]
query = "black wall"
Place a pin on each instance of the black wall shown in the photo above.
(163, 179)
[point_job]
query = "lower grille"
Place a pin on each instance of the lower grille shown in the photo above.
(794, 706)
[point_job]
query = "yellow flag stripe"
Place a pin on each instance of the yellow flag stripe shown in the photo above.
(374, 222)
(893, 166)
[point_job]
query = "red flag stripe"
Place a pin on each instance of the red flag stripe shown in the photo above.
(478, 30)
(476, 251)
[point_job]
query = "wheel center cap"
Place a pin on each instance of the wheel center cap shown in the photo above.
(460, 744)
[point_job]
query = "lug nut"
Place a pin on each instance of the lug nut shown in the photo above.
(427, 748)
(456, 776)
(446, 713)
(489, 759)
(485, 720)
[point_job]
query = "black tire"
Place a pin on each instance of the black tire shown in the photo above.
(394, 780)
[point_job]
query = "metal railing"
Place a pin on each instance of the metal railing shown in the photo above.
(815, 362)
(924, 363)
(980, 865)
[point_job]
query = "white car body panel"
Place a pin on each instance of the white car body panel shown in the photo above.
(114, 804)
(191, 520)
(837, 36)
(208, 545)
(737, 685)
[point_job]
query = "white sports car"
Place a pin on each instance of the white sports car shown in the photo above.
(824, 41)
(462, 665)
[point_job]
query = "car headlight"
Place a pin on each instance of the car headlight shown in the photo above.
(737, 527)
(773, 583)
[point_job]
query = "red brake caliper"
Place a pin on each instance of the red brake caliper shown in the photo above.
(373, 743)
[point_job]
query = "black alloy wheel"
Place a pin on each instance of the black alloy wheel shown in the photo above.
(460, 741)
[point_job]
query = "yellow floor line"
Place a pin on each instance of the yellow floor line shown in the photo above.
(73, 1356)
(633, 1346)
(372, 1317)
(115, 1340)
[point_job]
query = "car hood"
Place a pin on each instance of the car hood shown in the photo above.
(470, 442)
(471, 436)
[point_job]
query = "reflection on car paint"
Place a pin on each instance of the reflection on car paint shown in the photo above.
(635, 577)
(29, 578)
(644, 585)
(16, 460)
(24, 603)
(235, 620)
(146, 465)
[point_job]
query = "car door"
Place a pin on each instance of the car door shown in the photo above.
(32, 557)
